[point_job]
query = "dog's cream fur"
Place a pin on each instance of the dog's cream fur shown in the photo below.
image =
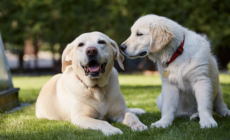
(64, 97)
(192, 88)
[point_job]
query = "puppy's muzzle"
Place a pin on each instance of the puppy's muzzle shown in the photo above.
(124, 47)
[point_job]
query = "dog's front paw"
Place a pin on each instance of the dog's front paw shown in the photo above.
(208, 123)
(111, 131)
(161, 124)
(138, 126)
(108, 129)
(133, 122)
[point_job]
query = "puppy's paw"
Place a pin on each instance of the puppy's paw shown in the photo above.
(161, 124)
(208, 123)
(138, 126)
(194, 116)
(226, 113)
(137, 111)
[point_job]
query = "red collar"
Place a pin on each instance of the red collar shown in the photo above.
(177, 52)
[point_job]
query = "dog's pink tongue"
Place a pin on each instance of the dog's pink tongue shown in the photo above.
(94, 68)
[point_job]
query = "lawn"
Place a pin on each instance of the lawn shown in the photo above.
(139, 91)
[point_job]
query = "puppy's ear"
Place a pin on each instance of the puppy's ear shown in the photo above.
(118, 55)
(160, 36)
(67, 56)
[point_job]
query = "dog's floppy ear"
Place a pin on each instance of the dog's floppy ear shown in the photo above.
(118, 54)
(160, 36)
(67, 56)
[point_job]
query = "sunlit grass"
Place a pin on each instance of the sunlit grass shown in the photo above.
(138, 90)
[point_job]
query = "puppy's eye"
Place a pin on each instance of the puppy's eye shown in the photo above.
(81, 44)
(101, 42)
(139, 34)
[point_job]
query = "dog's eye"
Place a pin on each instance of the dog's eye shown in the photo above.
(81, 44)
(101, 42)
(139, 34)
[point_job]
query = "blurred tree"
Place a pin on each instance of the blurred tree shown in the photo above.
(60, 22)
(12, 27)
(19, 22)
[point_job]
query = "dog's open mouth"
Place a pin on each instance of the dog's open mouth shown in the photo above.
(93, 68)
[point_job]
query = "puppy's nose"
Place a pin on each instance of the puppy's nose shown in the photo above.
(123, 47)
(91, 51)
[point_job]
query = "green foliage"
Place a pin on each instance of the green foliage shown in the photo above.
(228, 67)
(62, 21)
(23, 124)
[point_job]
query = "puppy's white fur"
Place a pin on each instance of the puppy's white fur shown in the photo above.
(65, 97)
(192, 87)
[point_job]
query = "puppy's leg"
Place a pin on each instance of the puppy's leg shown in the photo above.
(203, 94)
(133, 122)
(219, 106)
(137, 111)
(159, 102)
(90, 123)
(169, 100)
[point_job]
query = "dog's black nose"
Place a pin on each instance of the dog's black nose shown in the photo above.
(91, 51)
(123, 47)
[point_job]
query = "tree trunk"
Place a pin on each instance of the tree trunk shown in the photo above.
(59, 62)
(36, 49)
(20, 55)
(53, 53)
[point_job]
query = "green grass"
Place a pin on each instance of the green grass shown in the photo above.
(139, 91)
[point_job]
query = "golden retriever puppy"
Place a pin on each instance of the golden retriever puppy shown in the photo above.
(87, 92)
(189, 71)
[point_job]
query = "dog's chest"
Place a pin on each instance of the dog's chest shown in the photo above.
(178, 77)
(96, 98)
